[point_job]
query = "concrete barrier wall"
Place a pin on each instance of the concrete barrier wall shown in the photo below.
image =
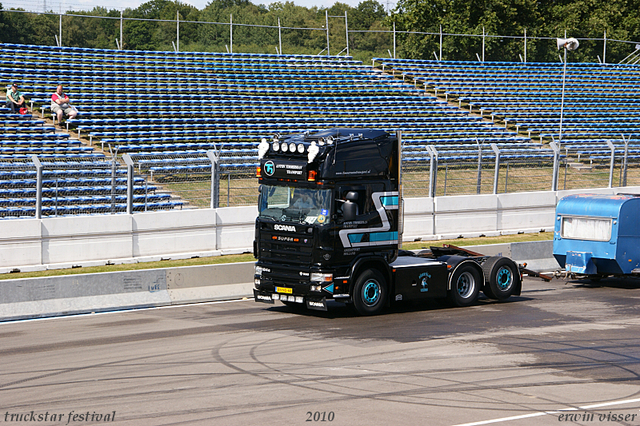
(210, 282)
(526, 212)
(39, 297)
(236, 228)
(20, 243)
(79, 238)
(73, 294)
(162, 233)
(49, 243)
(538, 255)
(460, 215)
(63, 242)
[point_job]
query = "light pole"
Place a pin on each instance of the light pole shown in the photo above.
(568, 44)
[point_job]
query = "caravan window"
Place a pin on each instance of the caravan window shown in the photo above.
(586, 228)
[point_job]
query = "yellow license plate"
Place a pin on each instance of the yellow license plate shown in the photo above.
(284, 290)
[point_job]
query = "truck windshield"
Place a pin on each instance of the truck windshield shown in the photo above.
(290, 204)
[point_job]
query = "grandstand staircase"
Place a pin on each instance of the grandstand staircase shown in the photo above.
(443, 97)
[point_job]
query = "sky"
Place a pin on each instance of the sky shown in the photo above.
(64, 5)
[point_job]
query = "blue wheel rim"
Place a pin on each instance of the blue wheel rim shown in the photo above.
(371, 292)
(504, 278)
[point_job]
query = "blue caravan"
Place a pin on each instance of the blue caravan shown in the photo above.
(598, 235)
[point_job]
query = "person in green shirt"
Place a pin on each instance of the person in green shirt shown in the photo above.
(15, 98)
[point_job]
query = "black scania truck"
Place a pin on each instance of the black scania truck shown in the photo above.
(330, 227)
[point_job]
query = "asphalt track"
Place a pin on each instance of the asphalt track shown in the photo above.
(562, 353)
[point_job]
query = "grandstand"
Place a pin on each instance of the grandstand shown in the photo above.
(167, 109)
(602, 102)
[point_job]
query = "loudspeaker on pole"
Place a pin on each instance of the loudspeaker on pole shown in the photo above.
(568, 43)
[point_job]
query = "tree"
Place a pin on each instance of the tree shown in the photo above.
(366, 14)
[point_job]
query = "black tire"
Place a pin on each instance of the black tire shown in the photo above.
(370, 293)
(596, 278)
(486, 289)
(465, 285)
(501, 277)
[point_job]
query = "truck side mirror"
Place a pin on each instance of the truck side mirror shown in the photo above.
(352, 196)
(350, 208)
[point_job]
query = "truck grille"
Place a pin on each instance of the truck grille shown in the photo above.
(286, 276)
(283, 249)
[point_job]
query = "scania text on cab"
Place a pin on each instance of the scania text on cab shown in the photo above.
(329, 227)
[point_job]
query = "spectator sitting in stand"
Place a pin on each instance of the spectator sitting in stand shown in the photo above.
(15, 99)
(60, 105)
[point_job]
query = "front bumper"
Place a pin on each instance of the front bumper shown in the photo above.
(317, 303)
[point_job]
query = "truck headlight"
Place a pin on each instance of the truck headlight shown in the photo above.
(321, 277)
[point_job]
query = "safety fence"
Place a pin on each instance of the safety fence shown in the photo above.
(497, 172)
(41, 187)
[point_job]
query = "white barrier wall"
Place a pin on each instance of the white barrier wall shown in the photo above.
(528, 212)
(236, 228)
(162, 233)
(461, 215)
(36, 244)
(78, 238)
(20, 242)
(418, 218)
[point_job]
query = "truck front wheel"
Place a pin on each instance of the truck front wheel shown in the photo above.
(370, 293)
(465, 285)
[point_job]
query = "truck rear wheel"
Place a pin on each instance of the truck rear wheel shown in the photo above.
(501, 277)
(465, 285)
(370, 292)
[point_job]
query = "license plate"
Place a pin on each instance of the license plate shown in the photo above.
(284, 290)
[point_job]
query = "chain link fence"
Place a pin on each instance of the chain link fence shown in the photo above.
(191, 177)
(573, 167)
(45, 187)
(40, 187)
